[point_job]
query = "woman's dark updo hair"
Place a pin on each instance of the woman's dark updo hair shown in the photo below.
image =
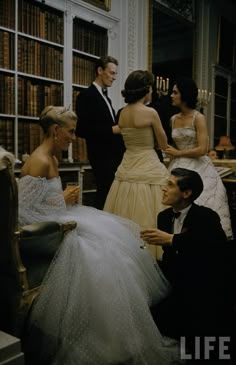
(137, 85)
(188, 90)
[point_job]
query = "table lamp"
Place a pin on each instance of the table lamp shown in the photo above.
(224, 145)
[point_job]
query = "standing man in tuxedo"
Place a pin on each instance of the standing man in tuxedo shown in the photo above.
(97, 124)
(194, 246)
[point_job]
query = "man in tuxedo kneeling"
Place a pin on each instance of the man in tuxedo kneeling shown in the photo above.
(194, 246)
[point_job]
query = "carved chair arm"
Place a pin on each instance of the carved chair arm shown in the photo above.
(38, 244)
(43, 238)
(37, 229)
(35, 247)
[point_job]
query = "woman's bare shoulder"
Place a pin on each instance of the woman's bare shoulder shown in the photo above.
(199, 116)
(36, 165)
(176, 115)
(199, 120)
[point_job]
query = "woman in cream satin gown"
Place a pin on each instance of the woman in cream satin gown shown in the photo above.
(136, 190)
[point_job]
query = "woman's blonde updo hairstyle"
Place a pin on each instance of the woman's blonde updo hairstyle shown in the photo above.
(55, 115)
(137, 85)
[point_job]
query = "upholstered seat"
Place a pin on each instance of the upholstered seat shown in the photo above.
(25, 253)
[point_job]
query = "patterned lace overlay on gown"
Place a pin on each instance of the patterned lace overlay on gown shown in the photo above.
(136, 191)
(214, 194)
(94, 306)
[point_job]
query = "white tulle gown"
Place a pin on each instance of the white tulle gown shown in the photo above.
(94, 306)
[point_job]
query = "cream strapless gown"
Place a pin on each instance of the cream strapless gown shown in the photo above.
(136, 190)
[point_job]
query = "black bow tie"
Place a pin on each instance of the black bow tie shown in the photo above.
(104, 91)
(176, 214)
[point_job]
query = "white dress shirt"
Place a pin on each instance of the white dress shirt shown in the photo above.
(178, 222)
(104, 97)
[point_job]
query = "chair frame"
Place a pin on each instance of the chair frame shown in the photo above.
(18, 295)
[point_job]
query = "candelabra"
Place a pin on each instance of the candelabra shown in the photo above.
(162, 86)
(204, 98)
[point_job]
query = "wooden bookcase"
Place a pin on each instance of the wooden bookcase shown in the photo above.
(38, 46)
(31, 70)
(90, 42)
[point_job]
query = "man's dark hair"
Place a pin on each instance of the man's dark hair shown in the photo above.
(188, 180)
(103, 62)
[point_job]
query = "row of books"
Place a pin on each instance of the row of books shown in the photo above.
(34, 95)
(25, 50)
(40, 21)
(7, 13)
(30, 135)
(83, 70)
(34, 18)
(89, 38)
(79, 150)
(40, 59)
(7, 134)
(7, 54)
(7, 94)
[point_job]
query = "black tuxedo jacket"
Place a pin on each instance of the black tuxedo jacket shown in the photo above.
(201, 239)
(105, 149)
(95, 125)
(194, 265)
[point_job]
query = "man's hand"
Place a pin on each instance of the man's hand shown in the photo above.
(155, 236)
(116, 129)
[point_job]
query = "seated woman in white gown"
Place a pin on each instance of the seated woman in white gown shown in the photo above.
(94, 306)
(189, 133)
(136, 192)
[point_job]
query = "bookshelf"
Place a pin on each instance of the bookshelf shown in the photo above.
(7, 74)
(49, 54)
(90, 42)
(31, 70)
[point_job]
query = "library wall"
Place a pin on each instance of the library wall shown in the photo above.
(49, 50)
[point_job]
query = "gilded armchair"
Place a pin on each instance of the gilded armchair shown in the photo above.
(25, 254)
